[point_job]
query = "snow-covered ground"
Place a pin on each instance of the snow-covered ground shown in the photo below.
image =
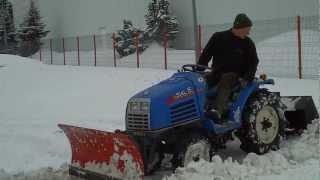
(297, 159)
(36, 97)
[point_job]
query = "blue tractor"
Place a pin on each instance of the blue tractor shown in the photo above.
(170, 118)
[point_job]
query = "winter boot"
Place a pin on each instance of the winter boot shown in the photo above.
(214, 115)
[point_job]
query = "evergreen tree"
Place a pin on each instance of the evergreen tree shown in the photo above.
(7, 27)
(159, 20)
(31, 30)
(126, 38)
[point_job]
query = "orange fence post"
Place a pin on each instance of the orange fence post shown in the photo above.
(137, 46)
(64, 52)
(200, 38)
(95, 50)
(40, 53)
(165, 45)
(299, 47)
(51, 57)
(78, 49)
(114, 49)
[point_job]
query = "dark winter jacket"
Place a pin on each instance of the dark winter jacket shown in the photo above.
(230, 54)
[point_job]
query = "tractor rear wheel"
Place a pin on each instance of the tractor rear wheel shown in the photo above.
(263, 123)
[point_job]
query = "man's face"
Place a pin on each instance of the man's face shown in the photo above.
(243, 32)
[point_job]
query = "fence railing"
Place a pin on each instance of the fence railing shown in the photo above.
(287, 47)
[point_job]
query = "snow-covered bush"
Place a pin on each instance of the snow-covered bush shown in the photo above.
(125, 39)
(158, 20)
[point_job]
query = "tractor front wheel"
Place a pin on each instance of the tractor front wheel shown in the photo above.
(192, 149)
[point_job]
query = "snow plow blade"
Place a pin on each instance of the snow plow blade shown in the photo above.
(299, 111)
(103, 155)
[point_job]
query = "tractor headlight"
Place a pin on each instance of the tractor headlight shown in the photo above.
(144, 106)
(138, 114)
(134, 106)
(139, 105)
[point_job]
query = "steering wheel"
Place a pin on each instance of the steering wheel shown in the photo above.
(195, 68)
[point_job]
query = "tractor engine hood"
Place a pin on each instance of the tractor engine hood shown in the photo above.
(171, 102)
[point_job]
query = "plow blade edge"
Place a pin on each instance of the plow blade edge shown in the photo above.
(299, 111)
(103, 155)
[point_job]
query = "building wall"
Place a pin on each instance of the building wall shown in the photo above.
(83, 17)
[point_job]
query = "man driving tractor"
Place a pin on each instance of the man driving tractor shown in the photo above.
(234, 59)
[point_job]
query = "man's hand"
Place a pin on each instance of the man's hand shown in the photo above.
(243, 82)
(200, 69)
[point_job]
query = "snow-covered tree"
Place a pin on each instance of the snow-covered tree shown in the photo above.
(159, 20)
(7, 27)
(32, 29)
(126, 38)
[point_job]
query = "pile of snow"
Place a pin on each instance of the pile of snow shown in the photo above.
(297, 159)
(46, 173)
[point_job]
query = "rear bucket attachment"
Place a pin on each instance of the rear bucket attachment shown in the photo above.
(299, 111)
(103, 155)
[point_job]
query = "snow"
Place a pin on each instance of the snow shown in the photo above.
(35, 97)
(296, 159)
(130, 172)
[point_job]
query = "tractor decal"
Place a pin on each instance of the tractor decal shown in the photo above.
(180, 95)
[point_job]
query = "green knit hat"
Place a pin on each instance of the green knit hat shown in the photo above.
(241, 21)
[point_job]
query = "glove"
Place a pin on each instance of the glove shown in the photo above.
(200, 69)
(243, 82)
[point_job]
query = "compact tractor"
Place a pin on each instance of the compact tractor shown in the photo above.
(171, 118)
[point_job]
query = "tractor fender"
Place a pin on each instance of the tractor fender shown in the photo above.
(237, 107)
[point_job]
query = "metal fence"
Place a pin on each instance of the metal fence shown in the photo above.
(281, 52)
(287, 47)
(289, 50)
